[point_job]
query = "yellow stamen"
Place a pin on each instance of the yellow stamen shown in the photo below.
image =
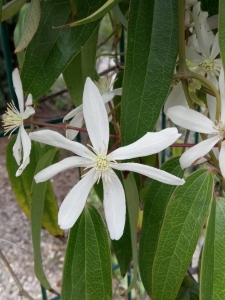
(12, 118)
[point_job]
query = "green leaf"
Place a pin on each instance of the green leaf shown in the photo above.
(87, 267)
(31, 25)
(0, 10)
(149, 67)
(96, 15)
(81, 67)
(211, 6)
(213, 263)
(184, 219)
(38, 192)
(43, 65)
(189, 289)
(154, 210)
(118, 13)
(221, 30)
(11, 8)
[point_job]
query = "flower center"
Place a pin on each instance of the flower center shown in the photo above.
(12, 119)
(221, 129)
(102, 164)
(208, 65)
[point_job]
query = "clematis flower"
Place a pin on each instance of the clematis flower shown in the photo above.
(196, 121)
(105, 88)
(101, 164)
(13, 119)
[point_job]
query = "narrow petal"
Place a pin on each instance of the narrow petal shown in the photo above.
(26, 144)
(110, 95)
(77, 121)
(114, 206)
(63, 165)
(222, 159)
(18, 88)
(193, 56)
(176, 97)
(28, 112)
(73, 113)
(150, 143)
(96, 118)
(29, 101)
(212, 22)
(211, 100)
(193, 154)
(17, 148)
(215, 47)
(53, 138)
(190, 119)
(74, 202)
(148, 171)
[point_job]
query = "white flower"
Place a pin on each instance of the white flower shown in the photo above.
(104, 85)
(101, 165)
(195, 121)
(13, 119)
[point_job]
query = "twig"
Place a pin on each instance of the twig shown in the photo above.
(22, 292)
(45, 98)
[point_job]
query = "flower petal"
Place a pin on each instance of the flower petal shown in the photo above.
(77, 121)
(222, 159)
(17, 148)
(195, 153)
(110, 95)
(29, 101)
(73, 113)
(176, 97)
(53, 138)
(148, 171)
(193, 56)
(114, 206)
(28, 112)
(74, 202)
(96, 118)
(150, 143)
(18, 88)
(190, 119)
(26, 144)
(211, 100)
(63, 165)
(215, 47)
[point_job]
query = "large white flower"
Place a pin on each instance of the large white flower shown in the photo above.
(105, 88)
(101, 165)
(13, 119)
(195, 121)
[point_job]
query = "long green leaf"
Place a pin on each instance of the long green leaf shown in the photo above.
(150, 60)
(221, 29)
(11, 8)
(87, 267)
(184, 219)
(154, 210)
(43, 65)
(81, 67)
(31, 25)
(0, 10)
(37, 207)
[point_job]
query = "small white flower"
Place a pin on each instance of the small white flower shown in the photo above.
(104, 85)
(13, 119)
(101, 164)
(195, 121)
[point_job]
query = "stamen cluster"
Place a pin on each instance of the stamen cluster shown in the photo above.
(12, 119)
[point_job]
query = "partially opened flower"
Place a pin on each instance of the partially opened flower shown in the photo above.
(196, 121)
(101, 164)
(105, 88)
(13, 119)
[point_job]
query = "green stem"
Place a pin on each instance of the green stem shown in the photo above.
(181, 32)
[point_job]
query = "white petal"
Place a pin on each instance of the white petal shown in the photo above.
(96, 117)
(193, 154)
(110, 95)
(17, 148)
(28, 112)
(18, 88)
(73, 113)
(212, 22)
(74, 202)
(29, 101)
(77, 121)
(176, 97)
(114, 206)
(53, 138)
(26, 144)
(215, 47)
(193, 56)
(190, 119)
(150, 143)
(63, 165)
(211, 100)
(222, 159)
(148, 171)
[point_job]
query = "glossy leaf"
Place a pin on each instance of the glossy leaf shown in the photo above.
(154, 210)
(184, 218)
(87, 267)
(149, 67)
(81, 67)
(31, 25)
(43, 65)
(38, 192)
(11, 8)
